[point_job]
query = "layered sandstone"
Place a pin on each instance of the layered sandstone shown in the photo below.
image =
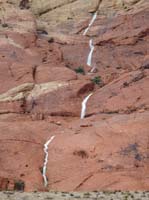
(41, 48)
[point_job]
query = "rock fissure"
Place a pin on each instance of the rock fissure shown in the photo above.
(18, 140)
(22, 76)
(34, 70)
(83, 182)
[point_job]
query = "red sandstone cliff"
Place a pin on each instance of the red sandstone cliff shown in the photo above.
(41, 48)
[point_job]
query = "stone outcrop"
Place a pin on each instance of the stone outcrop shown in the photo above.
(43, 80)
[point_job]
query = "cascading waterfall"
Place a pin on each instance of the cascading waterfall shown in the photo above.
(84, 102)
(46, 161)
(89, 59)
(89, 63)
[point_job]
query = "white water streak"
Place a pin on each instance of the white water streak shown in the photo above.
(89, 59)
(46, 161)
(84, 102)
(89, 63)
(92, 70)
(91, 22)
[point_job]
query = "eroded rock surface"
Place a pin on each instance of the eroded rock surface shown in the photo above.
(43, 80)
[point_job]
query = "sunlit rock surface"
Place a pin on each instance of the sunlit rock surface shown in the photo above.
(44, 79)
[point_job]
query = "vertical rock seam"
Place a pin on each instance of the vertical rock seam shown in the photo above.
(46, 160)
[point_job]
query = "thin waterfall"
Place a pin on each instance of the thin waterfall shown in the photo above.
(91, 22)
(89, 59)
(89, 63)
(84, 102)
(46, 161)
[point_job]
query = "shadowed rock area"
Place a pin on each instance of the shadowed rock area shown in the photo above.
(43, 80)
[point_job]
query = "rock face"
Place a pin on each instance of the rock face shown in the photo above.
(44, 79)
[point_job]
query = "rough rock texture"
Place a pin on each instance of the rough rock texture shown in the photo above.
(74, 195)
(43, 80)
(95, 162)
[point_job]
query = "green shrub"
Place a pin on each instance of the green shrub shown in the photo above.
(80, 70)
(19, 185)
(96, 80)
